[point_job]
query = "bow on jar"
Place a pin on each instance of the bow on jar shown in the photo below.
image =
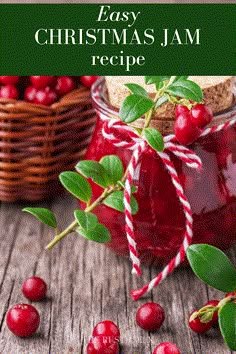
(138, 145)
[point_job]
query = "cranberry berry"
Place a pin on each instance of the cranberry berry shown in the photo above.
(45, 96)
(103, 345)
(23, 320)
(64, 85)
(41, 82)
(197, 326)
(107, 329)
(34, 289)
(166, 348)
(185, 131)
(201, 115)
(9, 80)
(9, 91)
(150, 316)
(179, 109)
(88, 81)
(30, 93)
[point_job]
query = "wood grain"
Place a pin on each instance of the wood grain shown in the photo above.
(87, 283)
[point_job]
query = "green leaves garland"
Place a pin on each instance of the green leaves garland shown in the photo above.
(213, 267)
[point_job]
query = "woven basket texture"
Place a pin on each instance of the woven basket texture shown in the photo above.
(38, 142)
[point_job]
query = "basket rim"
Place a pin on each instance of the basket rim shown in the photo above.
(80, 95)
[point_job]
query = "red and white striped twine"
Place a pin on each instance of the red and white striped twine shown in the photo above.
(138, 146)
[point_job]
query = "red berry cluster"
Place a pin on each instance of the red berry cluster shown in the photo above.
(44, 90)
(189, 123)
(23, 319)
(106, 335)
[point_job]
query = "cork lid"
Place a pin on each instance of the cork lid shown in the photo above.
(217, 93)
(217, 90)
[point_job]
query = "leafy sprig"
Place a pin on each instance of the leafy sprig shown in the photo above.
(109, 173)
(214, 268)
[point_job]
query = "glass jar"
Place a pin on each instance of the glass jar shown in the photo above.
(160, 222)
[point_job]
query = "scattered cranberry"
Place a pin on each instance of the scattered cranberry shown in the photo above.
(166, 348)
(64, 85)
(29, 94)
(88, 81)
(9, 80)
(41, 82)
(34, 288)
(180, 109)
(45, 96)
(9, 91)
(150, 316)
(103, 345)
(23, 320)
(107, 329)
(201, 115)
(213, 303)
(185, 131)
(197, 326)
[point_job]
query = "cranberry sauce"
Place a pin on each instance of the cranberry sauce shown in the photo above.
(160, 222)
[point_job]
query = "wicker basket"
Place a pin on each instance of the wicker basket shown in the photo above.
(38, 142)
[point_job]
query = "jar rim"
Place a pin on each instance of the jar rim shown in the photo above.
(101, 103)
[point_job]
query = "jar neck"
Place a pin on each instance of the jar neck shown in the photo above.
(163, 123)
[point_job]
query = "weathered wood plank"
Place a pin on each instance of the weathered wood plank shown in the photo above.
(87, 283)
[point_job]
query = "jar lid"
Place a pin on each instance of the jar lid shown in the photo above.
(217, 92)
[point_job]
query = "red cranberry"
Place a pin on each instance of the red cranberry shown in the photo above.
(23, 320)
(29, 94)
(201, 115)
(45, 96)
(197, 326)
(9, 80)
(179, 109)
(103, 345)
(34, 288)
(166, 348)
(41, 82)
(213, 303)
(88, 81)
(150, 316)
(9, 91)
(64, 85)
(185, 131)
(107, 329)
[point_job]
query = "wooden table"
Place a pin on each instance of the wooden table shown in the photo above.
(87, 283)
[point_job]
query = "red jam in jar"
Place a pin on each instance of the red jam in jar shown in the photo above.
(160, 222)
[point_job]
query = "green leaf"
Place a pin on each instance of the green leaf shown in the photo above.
(44, 215)
(154, 138)
(87, 221)
(99, 234)
(155, 79)
(180, 78)
(227, 323)
(116, 201)
(95, 171)
(212, 266)
(137, 89)
(76, 185)
(134, 107)
(185, 89)
(113, 167)
(161, 100)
